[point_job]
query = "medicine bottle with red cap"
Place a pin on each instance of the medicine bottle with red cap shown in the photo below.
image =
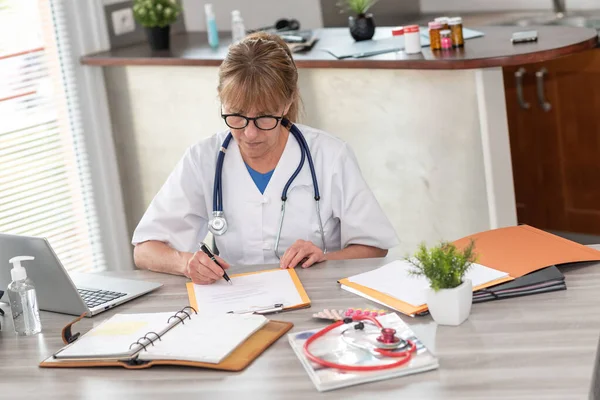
(412, 39)
(398, 31)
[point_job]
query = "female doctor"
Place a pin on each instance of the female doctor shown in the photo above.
(331, 214)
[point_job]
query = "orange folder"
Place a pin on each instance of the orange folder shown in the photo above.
(400, 305)
(516, 250)
(519, 250)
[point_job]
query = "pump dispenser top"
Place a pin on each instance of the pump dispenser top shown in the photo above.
(18, 272)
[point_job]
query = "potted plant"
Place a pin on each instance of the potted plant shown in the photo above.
(156, 16)
(362, 26)
(450, 294)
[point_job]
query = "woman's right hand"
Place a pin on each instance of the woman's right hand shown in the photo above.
(204, 271)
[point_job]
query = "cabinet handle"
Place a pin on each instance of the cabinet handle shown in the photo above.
(519, 78)
(540, 89)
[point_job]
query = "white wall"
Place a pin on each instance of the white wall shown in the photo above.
(427, 173)
(256, 13)
(500, 5)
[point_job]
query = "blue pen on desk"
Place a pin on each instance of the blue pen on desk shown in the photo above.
(207, 251)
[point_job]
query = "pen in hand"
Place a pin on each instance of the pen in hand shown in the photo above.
(207, 251)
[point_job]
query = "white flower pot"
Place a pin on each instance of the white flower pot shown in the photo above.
(451, 306)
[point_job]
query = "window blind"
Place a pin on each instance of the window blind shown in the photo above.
(45, 186)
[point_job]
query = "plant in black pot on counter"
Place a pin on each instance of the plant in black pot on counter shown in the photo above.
(156, 16)
(362, 26)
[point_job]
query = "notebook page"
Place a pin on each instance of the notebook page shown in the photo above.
(205, 339)
(248, 292)
(113, 337)
(393, 279)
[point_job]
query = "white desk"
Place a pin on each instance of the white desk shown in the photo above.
(536, 347)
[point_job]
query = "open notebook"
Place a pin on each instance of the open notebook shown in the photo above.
(165, 336)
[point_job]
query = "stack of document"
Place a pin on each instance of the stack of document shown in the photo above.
(513, 261)
(542, 281)
(393, 286)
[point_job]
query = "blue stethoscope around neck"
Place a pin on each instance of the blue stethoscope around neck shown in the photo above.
(218, 224)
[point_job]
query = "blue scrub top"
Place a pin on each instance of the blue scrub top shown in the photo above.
(261, 180)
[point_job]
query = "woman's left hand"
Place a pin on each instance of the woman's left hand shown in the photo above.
(303, 252)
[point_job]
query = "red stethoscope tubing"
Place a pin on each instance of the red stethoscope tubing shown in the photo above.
(404, 356)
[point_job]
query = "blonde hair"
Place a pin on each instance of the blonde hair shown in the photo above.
(260, 74)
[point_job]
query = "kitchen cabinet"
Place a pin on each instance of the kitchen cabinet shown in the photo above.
(554, 126)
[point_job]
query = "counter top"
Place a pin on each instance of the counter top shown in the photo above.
(494, 49)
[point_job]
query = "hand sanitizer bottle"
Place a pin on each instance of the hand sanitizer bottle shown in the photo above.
(211, 26)
(238, 30)
(23, 301)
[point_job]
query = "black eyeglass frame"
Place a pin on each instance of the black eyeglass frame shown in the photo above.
(253, 119)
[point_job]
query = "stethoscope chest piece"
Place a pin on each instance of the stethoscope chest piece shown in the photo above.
(371, 338)
(217, 225)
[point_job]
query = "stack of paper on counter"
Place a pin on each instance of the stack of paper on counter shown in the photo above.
(393, 286)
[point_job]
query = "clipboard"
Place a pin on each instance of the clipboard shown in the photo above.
(277, 305)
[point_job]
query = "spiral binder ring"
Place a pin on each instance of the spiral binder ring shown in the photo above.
(150, 341)
(191, 308)
(183, 312)
(155, 334)
(175, 316)
(138, 342)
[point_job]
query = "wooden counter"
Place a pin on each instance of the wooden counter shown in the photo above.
(494, 49)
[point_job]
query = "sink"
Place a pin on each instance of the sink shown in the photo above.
(578, 21)
(569, 19)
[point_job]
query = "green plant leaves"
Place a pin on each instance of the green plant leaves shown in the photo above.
(357, 6)
(444, 265)
(156, 13)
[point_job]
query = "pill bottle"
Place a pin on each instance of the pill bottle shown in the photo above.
(435, 40)
(443, 21)
(412, 39)
(398, 31)
(456, 28)
(445, 39)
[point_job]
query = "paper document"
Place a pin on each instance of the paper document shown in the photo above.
(205, 340)
(394, 280)
(249, 292)
(115, 336)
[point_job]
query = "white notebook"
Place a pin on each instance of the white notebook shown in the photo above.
(165, 336)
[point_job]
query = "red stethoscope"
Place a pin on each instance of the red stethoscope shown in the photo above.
(387, 345)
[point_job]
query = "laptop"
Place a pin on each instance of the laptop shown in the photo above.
(61, 291)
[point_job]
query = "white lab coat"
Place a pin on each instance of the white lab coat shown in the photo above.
(179, 213)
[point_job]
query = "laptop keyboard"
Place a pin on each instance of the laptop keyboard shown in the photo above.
(94, 298)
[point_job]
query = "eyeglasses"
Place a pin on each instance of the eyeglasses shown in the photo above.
(264, 122)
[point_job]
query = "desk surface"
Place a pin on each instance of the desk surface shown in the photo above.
(536, 347)
(492, 50)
